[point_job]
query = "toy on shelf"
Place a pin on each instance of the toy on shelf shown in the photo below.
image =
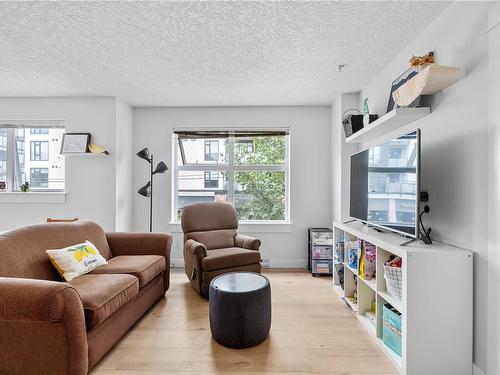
(351, 248)
(368, 262)
(422, 60)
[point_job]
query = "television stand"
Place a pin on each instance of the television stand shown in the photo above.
(411, 240)
(349, 221)
(430, 290)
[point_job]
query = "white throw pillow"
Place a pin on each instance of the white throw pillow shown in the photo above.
(76, 260)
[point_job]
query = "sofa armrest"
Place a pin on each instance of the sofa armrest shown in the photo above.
(132, 243)
(247, 242)
(42, 327)
(196, 248)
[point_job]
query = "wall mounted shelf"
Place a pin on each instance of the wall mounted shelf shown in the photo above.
(388, 122)
(84, 154)
(429, 81)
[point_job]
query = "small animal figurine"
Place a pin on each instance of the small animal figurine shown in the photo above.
(422, 60)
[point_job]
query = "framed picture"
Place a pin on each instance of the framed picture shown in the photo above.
(398, 82)
(75, 143)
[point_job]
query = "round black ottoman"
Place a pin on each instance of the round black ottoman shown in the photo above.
(240, 309)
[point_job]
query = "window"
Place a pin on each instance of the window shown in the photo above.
(246, 168)
(39, 151)
(43, 169)
(39, 177)
(39, 131)
(3, 155)
(211, 179)
(395, 153)
(212, 150)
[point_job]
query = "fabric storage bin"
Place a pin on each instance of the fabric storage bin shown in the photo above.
(322, 252)
(322, 266)
(394, 281)
(391, 331)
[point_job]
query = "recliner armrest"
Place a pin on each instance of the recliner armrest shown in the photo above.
(247, 242)
(196, 248)
(42, 327)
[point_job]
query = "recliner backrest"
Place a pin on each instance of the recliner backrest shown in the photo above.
(214, 224)
(22, 251)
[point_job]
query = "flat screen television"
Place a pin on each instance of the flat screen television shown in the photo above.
(385, 184)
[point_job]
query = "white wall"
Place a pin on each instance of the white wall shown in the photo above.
(309, 162)
(454, 152)
(494, 194)
(341, 155)
(89, 181)
(124, 167)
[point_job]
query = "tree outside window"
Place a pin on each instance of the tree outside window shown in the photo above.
(250, 172)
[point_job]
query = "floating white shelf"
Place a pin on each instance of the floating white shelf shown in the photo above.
(436, 304)
(91, 154)
(388, 122)
(429, 81)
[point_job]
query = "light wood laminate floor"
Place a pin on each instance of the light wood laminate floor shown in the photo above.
(312, 332)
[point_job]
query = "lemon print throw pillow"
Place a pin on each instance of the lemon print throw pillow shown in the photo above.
(76, 260)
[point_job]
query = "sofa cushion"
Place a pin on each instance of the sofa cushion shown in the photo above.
(76, 260)
(23, 250)
(102, 295)
(217, 259)
(144, 267)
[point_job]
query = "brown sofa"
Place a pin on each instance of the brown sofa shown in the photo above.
(52, 327)
(212, 245)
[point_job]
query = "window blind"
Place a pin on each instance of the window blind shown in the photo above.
(190, 134)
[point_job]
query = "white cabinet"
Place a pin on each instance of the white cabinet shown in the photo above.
(436, 303)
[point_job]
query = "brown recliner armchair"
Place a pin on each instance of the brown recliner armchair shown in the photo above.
(212, 245)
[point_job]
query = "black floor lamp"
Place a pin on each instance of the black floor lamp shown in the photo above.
(147, 190)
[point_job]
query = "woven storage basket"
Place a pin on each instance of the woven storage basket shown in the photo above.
(394, 281)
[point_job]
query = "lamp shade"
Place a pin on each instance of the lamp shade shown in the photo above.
(144, 154)
(145, 191)
(160, 168)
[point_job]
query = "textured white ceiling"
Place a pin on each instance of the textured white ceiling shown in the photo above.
(202, 53)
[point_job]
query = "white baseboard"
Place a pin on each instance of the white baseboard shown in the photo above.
(477, 371)
(273, 263)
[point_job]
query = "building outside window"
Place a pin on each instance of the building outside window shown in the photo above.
(211, 179)
(3, 155)
(39, 150)
(39, 177)
(250, 171)
(43, 169)
(212, 150)
(39, 131)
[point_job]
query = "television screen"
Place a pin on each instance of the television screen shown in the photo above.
(385, 184)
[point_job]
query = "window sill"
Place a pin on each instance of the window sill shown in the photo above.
(32, 197)
(249, 227)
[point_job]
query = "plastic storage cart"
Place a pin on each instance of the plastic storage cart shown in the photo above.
(320, 246)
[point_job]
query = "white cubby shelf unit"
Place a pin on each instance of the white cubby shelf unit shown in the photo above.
(436, 303)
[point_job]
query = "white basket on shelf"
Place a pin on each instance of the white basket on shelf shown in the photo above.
(394, 281)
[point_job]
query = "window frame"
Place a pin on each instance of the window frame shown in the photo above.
(39, 172)
(50, 194)
(208, 155)
(34, 154)
(231, 168)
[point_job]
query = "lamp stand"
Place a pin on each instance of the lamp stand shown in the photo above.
(151, 197)
(147, 190)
